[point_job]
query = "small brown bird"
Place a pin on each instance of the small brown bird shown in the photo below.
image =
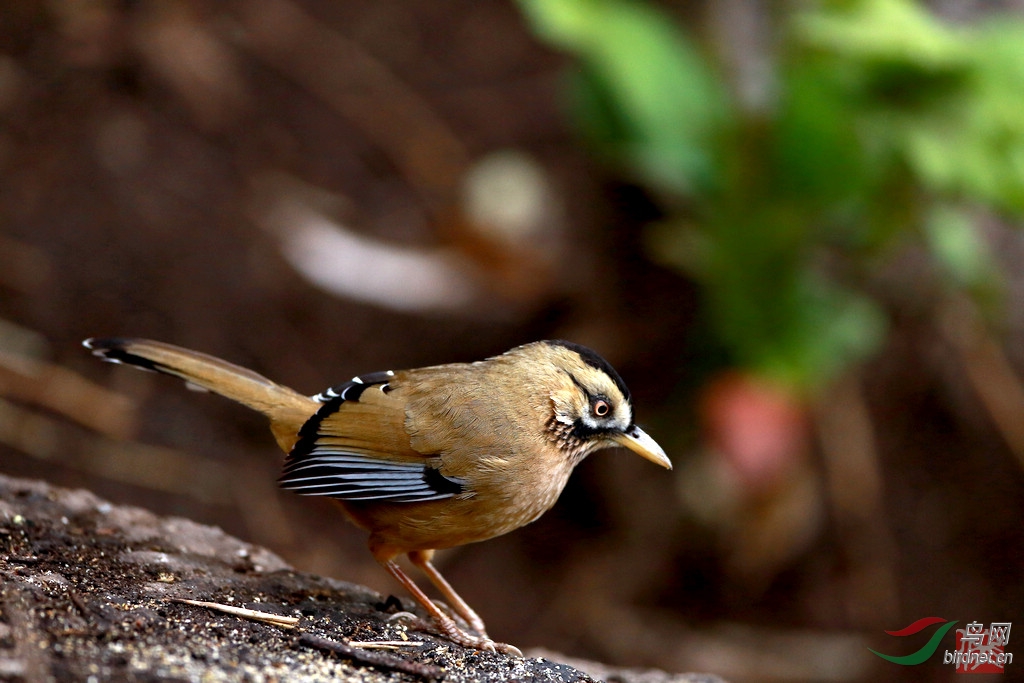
(435, 457)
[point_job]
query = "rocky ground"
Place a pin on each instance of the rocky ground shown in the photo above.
(91, 591)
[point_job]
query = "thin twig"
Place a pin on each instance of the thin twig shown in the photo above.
(385, 644)
(265, 617)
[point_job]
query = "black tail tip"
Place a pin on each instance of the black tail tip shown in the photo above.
(115, 350)
(99, 345)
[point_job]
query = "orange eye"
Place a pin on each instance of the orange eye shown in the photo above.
(601, 408)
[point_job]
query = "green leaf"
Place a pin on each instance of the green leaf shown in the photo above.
(644, 96)
(953, 240)
(942, 100)
(883, 31)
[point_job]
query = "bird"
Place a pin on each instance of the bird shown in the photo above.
(434, 457)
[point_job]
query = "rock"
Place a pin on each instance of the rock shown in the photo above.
(92, 591)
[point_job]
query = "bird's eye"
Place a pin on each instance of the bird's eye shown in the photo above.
(601, 408)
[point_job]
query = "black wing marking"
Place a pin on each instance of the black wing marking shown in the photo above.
(353, 476)
(351, 390)
(315, 469)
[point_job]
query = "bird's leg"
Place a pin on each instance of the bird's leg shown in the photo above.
(422, 559)
(444, 623)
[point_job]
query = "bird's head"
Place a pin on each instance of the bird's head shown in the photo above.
(591, 406)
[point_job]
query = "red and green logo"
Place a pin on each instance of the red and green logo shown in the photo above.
(928, 649)
(978, 650)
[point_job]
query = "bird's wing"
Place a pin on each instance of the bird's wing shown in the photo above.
(356, 448)
(471, 414)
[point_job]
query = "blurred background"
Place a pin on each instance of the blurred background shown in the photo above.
(793, 227)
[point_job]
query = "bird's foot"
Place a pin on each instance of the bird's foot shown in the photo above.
(447, 628)
(476, 625)
(457, 635)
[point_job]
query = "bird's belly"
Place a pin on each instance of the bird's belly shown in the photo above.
(454, 521)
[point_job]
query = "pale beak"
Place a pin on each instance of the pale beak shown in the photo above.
(637, 441)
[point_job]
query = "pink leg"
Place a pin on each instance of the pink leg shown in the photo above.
(422, 559)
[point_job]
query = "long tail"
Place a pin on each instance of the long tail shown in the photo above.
(287, 409)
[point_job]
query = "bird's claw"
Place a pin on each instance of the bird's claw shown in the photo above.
(484, 643)
(407, 616)
(455, 634)
(507, 649)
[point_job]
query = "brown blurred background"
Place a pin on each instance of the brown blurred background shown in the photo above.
(316, 189)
